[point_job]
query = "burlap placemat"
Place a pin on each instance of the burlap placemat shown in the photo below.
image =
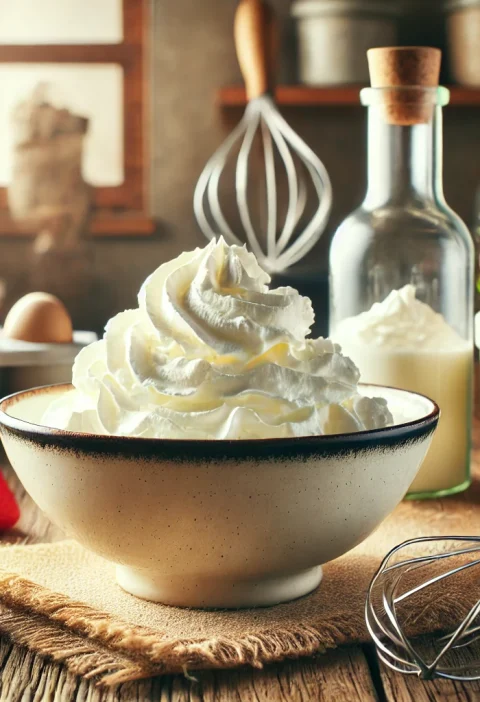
(62, 601)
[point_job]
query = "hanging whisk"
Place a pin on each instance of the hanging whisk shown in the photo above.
(434, 584)
(285, 241)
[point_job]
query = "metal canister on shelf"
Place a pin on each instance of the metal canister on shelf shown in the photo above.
(463, 31)
(334, 35)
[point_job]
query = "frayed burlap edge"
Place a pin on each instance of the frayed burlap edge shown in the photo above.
(97, 644)
(93, 643)
(82, 656)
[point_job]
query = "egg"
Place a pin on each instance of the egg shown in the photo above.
(39, 317)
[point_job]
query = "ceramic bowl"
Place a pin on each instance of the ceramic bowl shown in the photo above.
(217, 523)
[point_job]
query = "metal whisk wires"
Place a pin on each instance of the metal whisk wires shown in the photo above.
(421, 584)
(262, 117)
(290, 173)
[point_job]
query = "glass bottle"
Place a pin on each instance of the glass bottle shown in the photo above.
(404, 233)
(476, 241)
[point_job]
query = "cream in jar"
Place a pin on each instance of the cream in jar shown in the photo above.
(403, 342)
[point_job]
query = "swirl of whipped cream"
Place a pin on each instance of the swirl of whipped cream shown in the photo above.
(212, 353)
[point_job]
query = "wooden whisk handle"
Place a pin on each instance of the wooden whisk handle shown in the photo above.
(255, 42)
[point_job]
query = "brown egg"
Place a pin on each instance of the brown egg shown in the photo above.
(39, 317)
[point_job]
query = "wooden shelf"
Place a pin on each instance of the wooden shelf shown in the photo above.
(104, 223)
(337, 96)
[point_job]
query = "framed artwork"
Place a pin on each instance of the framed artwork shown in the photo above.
(91, 57)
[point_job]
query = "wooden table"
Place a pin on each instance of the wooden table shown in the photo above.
(343, 675)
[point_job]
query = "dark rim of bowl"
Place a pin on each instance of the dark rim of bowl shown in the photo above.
(23, 427)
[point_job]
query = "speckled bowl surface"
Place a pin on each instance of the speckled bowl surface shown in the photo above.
(217, 523)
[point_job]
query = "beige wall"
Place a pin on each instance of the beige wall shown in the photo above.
(193, 55)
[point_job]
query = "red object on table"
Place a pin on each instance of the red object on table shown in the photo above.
(9, 511)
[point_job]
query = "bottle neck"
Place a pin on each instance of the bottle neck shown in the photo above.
(404, 162)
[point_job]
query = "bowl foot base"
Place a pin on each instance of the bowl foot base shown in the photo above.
(215, 592)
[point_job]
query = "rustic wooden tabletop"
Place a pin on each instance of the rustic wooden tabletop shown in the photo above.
(344, 675)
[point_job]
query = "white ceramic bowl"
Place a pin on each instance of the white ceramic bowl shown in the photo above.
(217, 523)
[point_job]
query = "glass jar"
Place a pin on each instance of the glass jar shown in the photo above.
(405, 234)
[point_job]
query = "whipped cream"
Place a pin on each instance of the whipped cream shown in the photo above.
(400, 321)
(212, 353)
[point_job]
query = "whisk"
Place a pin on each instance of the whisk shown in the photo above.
(285, 244)
(434, 579)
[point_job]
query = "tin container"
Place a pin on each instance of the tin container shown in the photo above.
(334, 35)
(463, 32)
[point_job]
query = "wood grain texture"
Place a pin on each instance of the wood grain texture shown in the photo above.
(341, 675)
(408, 688)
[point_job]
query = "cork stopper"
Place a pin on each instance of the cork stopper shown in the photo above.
(409, 68)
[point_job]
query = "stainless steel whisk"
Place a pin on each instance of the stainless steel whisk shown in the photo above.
(418, 579)
(285, 245)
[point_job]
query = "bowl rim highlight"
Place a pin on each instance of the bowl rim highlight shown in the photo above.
(49, 435)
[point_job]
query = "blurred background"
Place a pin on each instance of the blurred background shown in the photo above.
(110, 109)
